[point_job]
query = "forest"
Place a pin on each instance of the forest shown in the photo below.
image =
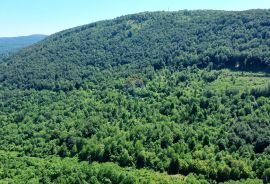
(155, 97)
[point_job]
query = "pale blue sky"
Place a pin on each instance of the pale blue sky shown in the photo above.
(24, 17)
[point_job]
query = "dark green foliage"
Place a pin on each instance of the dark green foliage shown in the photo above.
(266, 175)
(214, 39)
(147, 92)
(262, 91)
(174, 166)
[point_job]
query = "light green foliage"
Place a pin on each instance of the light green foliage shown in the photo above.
(145, 98)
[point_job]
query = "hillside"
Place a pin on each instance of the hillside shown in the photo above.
(13, 44)
(161, 97)
(177, 39)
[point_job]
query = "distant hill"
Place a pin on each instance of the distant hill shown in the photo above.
(13, 44)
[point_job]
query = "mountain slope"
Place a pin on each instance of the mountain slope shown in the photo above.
(13, 44)
(175, 39)
(183, 96)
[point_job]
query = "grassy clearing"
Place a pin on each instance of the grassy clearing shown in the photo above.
(240, 81)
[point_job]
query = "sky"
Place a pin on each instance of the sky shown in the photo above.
(25, 17)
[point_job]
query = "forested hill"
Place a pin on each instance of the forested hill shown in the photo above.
(12, 44)
(162, 97)
(239, 40)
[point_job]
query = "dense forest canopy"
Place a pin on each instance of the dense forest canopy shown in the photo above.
(161, 97)
(171, 39)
